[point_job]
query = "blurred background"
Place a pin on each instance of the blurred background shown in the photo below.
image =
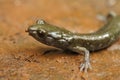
(21, 56)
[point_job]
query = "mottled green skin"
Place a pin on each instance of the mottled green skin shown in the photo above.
(102, 38)
(64, 39)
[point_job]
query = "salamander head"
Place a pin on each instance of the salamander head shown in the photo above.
(49, 34)
(44, 32)
(38, 27)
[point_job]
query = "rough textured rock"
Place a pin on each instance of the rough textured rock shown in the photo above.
(21, 57)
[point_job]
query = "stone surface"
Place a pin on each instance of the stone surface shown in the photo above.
(21, 56)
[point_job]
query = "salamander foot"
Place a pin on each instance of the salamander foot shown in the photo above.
(85, 66)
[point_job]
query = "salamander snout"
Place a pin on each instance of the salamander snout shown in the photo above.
(32, 30)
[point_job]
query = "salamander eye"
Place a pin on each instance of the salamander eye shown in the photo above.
(40, 21)
(41, 32)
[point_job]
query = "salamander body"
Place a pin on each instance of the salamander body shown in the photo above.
(61, 38)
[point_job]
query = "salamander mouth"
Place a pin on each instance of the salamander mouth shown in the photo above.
(32, 32)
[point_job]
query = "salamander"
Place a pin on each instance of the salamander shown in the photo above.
(52, 35)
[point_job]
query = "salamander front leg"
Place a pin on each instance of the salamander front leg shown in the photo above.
(86, 63)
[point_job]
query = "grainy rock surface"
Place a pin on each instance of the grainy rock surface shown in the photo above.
(21, 56)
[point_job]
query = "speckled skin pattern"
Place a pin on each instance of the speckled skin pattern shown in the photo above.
(100, 39)
(61, 38)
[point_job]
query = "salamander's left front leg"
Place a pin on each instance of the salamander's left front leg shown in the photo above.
(86, 63)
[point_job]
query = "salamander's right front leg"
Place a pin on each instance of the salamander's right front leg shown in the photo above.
(86, 63)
